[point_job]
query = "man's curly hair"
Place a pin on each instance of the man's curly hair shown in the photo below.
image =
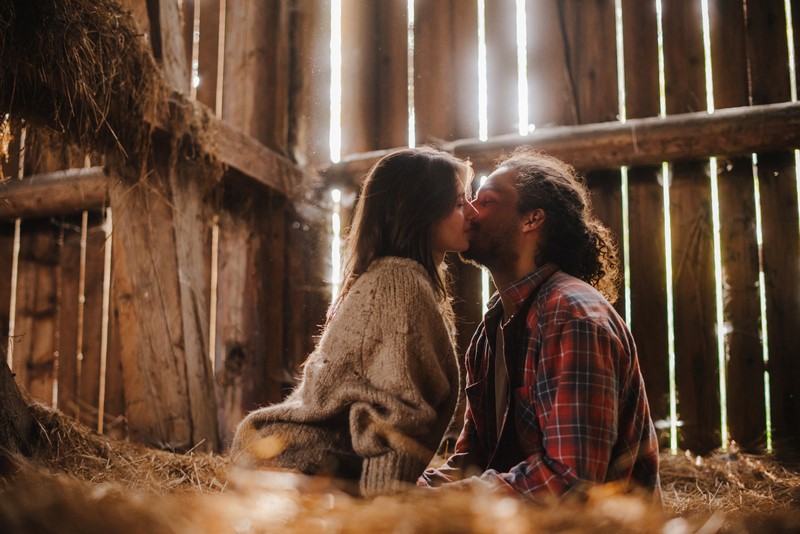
(574, 239)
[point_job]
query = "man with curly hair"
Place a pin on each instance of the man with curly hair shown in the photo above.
(555, 397)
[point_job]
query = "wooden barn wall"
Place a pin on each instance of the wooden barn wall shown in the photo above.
(271, 294)
(573, 80)
(265, 68)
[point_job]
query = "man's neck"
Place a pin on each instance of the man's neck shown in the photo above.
(503, 277)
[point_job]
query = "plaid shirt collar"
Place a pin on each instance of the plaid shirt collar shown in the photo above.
(519, 290)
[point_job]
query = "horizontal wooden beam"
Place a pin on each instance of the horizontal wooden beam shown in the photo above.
(243, 153)
(54, 193)
(238, 151)
(726, 132)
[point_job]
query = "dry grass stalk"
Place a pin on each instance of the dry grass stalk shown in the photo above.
(80, 481)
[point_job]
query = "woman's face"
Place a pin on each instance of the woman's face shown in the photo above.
(453, 232)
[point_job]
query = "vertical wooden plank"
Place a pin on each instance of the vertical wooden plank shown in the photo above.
(694, 308)
(187, 30)
(648, 286)
(307, 295)
(208, 53)
(767, 51)
(168, 385)
(250, 304)
(590, 34)
(166, 38)
(501, 67)
(745, 369)
(124, 343)
(255, 81)
(465, 17)
(640, 38)
(36, 308)
(392, 71)
(746, 412)
(590, 37)
(781, 263)
(69, 266)
(309, 132)
(93, 321)
(606, 198)
(646, 213)
(157, 400)
(445, 82)
(693, 287)
(550, 101)
(359, 123)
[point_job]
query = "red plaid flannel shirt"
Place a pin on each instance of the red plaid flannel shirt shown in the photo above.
(577, 410)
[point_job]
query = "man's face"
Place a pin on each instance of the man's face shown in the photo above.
(495, 229)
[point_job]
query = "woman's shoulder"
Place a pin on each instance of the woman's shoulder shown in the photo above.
(396, 275)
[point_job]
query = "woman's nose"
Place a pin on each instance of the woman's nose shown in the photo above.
(471, 212)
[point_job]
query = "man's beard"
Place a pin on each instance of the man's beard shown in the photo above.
(497, 251)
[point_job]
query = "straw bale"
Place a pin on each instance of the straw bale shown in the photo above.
(80, 68)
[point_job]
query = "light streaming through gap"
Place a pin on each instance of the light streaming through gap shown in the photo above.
(101, 395)
(336, 82)
(522, 68)
(715, 221)
(622, 106)
(483, 117)
(195, 77)
(412, 119)
(666, 179)
(336, 243)
(12, 307)
(81, 308)
(762, 300)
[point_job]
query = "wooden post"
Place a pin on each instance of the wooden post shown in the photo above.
(162, 285)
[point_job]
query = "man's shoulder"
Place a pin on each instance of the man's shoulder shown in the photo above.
(564, 297)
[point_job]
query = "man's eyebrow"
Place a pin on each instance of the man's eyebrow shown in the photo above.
(489, 187)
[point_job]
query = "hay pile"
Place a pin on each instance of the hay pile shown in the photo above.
(80, 68)
(81, 482)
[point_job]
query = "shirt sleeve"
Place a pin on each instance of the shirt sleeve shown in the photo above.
(573, 405)
(465, 455)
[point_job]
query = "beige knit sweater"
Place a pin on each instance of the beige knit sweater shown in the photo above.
(376, 395)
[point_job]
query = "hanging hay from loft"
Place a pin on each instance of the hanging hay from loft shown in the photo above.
(77, 479)
(79, 67)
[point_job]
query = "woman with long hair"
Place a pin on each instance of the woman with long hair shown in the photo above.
(379, 390)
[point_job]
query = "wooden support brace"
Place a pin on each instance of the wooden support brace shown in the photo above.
(637, 142)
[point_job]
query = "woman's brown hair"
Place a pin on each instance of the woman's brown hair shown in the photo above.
(402, 196)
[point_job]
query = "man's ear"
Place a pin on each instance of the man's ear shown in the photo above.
(533, 220)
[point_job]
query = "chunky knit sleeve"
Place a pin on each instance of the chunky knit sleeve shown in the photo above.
(383, 381)
(410, 370)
